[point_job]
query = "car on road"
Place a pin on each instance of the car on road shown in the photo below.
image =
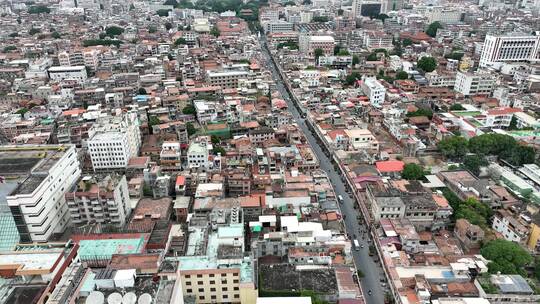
(340, 199)
(356, 244)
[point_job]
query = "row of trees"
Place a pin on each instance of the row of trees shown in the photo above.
(500, 145)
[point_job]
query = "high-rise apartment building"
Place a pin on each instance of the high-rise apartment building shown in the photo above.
(113, 140)
(510, 48)
(37, 202)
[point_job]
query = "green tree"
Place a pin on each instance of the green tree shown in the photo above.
(22, 111)
(412, 172)
(456, 107)
(39, 9)
(319, 19)
(171, 2)
(343, 52)
(113, 31)
(33, 31)
(318, 53)
(351, 78)
(93, 42)
(355, 60)
(180, 41)
(455, 55)
(168, 26)
(9, 48)
(13, 35)
(189, 110)
(163, 12)
(153, 121)
(382, 17)
(131, 7)
(142, 91)
(402, 75)
(421, 112)
(215, 140)
(215, 32)
(474, 162)
(513, 123)
(475, 212)
(372, 57)
(537, 268)
(406, 42)
(506, 257)
(454, 147)
(491, 144)
(219, 150)
(427, 64)
(340, 12)
(56, 35)
(190, 129)
(152, 29)
(433, 27)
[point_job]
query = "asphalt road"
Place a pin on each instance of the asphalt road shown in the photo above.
(372, 271)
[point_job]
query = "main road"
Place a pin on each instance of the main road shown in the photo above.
(371, 284)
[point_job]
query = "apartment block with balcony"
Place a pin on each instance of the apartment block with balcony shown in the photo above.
(113, 141)
(170, 156)
(99, 199)
(36, 201)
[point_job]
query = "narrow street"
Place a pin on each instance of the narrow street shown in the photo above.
(364, 262)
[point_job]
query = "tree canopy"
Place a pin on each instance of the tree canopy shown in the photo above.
(320, 19)
(421, 112)
(412, 172)
(400, 75)
(180, 41)
(39, 9)
(407, 42)
(473, 163)
(427, 64)
(189, 110)
(113, 31)
(506, 257)
(454, 147)
(456, 107)
(318, 53)
(433, 27)
(163, 12)
(215, 32)
(503, 146)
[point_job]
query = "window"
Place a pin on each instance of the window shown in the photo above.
(201, 298)
(236, 296)
(212, 282)
(225, 296)
(189, 290)
(188, 283)
(212, 289)
(236, 288)
(200, 282)
(213, 297)
(224, 289)
(201, 289)
(199, 276)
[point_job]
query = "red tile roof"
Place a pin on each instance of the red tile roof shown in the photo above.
(390, 166)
